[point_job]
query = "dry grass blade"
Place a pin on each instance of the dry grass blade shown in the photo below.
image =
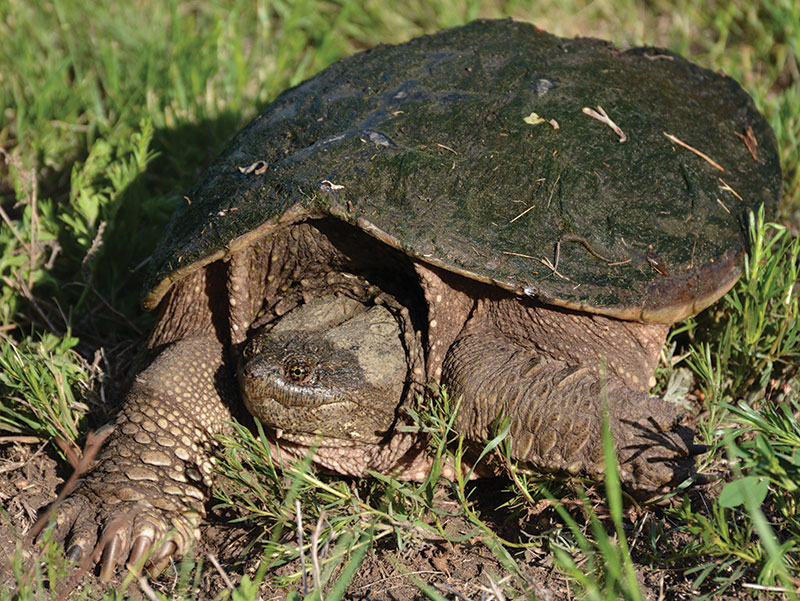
(213, 558)
(94, 442)
(498, 594)
(750, 142)
(603, 117)
(702, 155)
(316, 571)
(726, 188)
(525, 212)
(301, 543)
(145, 587)
(455, 592)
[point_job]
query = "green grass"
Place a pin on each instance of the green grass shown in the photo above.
(110, 111)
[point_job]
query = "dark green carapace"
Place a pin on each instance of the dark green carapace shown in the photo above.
(471, 149)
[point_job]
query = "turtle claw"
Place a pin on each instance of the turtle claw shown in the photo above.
(161, 558)
(156, 558)
(74, 524)
(139, 550)
(110, 558)
(698, 449)
(75, 553)
(146, 542)
(705, 478)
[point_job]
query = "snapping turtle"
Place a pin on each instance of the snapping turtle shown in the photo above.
(517, 216)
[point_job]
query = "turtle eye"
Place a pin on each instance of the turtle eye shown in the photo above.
(297, 370)
(251, 349)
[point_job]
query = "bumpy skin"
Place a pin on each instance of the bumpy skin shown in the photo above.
(556, 410)
(145, 495)
(554, 372)
(154, 475)
(330, 361)
(340, 374)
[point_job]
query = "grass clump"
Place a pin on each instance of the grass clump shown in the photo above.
(757, 339)
(333, 525)
(746, 363)
(43, 384)
(607, 570)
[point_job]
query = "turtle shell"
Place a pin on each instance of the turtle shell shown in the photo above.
(616, 182)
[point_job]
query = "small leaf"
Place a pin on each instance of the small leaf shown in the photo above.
(734, 492)
(533, 119)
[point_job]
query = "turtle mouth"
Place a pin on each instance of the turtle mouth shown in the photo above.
(304, 441)
(309, 412)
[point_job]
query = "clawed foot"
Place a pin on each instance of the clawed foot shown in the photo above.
(141, 501)
(654, 459)
(656, 451)
(122, 512)
(138, 534)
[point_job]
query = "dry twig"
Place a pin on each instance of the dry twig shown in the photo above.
(94, 442)
(580, 240)
(221, 571)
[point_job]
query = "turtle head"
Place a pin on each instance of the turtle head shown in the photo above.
(332, 370)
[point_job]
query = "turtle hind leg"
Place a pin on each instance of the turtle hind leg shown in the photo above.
(556, 411)
(151, 480)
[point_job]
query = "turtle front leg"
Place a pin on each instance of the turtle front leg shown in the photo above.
(152, 478)
(556, 412)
